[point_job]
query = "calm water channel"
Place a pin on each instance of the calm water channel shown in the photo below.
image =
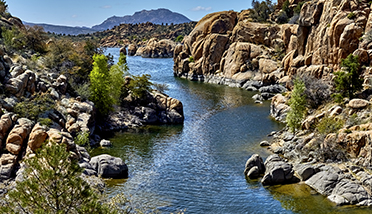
(199, 166)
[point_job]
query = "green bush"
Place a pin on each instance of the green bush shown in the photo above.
(161, 87)
(82, 139)
(351, 15)
(179, 38)
(261, 10)
(100, 85)
(285, 7)
(45, 122)
(53, 184)
(329, 125)
(35, 107)
(297, 104)
(297, 9)
(139, 86)
(191, 59)
(348, 80)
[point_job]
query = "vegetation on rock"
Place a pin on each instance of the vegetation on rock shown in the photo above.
(298, 106)
(52, 185)
(348, 80)
(261, 10)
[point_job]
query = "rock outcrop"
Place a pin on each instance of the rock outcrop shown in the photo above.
(228, 45)
(278, 171)
(155, 48)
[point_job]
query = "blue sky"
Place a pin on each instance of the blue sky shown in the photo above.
(92, 12)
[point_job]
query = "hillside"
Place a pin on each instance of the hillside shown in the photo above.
(58, 29)
(159, 16)
(125, 34)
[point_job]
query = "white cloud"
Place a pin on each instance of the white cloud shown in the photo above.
(200, 8)
(106, 7)
(74, 16)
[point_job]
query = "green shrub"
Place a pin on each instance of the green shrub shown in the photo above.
(139, 86)
(297, 104)
(53, 184)
(100, 85)
(35, 107)
(3, 6)
(351, 15)
(161, 87)
(191, 59)
(329, 125)
(179, 38)
(45, 122)
(297, 9)
(82, 139)
(285, 7)
(261, 10)
(348, 80)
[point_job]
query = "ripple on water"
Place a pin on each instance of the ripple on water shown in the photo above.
(199, 166)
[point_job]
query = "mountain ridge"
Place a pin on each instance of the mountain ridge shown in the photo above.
(155, 16)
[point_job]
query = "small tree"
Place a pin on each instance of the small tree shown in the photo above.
(348, 80)
(117, 73)
(298, 106)
(140, 85)
(53, 185)
(100, 84)
(261, 10)
(3, 6)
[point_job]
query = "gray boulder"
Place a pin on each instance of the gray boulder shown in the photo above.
(278, 171)
(105, 143)
(108, 166)
(305, 171)
(254, 166)
(323, 182)
(349, 193)
(273, 89)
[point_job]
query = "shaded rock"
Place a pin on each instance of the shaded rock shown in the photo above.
(305, 171)
(123, 50)
(6, 123)
(323, 182)
(279, 108)
(7, 164)
(347, 192)
(278, 171)
(265, 143)
(255, 161)
(109, 167)
(132, 49)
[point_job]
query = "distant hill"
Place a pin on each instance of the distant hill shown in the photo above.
(159, 16)
(63, 29)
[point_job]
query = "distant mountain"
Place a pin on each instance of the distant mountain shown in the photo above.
(63, 29)
(159, 16)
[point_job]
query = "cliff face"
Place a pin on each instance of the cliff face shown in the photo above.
(229, 45)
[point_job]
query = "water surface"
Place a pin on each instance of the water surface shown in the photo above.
(199, 166)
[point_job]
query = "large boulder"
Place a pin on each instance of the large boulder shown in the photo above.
(109, 167)
(254, 166)
(358, 103)
(324, 182)
(6, 123)
(132, 49)
(37, 137)
(7, 165)
(349, 193)
(18, 135)
(157, 49)
(278, 171)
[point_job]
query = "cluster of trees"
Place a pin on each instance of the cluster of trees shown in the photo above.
(310, 93)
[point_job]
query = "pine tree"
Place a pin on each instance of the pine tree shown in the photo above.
(298, 106)
(53, 185)
(348, 80)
